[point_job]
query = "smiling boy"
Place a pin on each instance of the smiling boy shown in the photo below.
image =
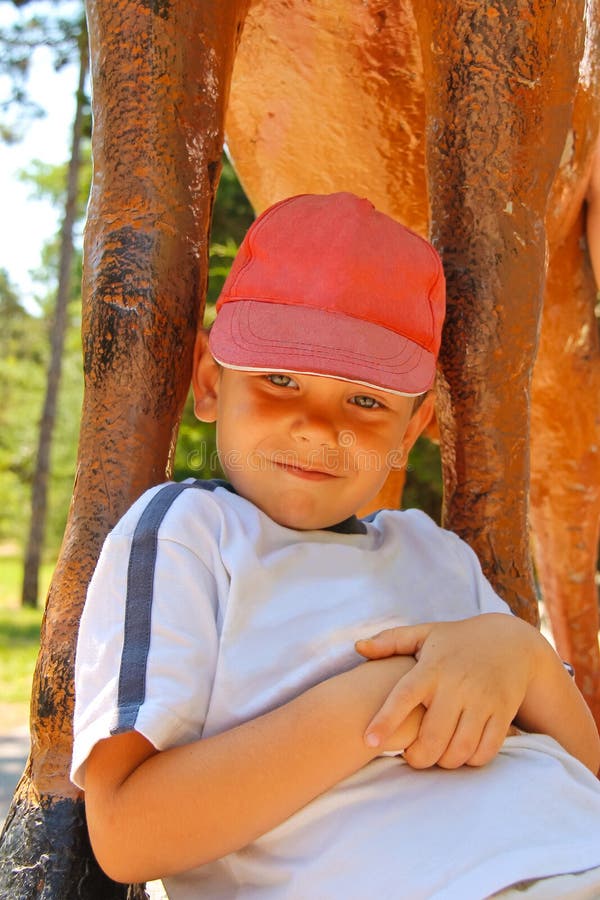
(228, 736)
(314, 450)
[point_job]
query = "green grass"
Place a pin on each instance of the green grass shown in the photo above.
(19, 640)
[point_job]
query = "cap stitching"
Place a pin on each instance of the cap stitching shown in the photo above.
(309, 349)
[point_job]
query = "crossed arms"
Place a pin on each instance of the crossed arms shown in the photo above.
(152, 813)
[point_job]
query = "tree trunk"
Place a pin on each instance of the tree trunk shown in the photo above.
(39, 488)
(160, 74)
(501, 79)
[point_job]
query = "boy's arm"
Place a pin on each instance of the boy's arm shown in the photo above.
(476, 676)
(152, 813)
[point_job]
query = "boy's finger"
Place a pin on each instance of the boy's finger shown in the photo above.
(494, 735)
(405, 696)
(465, 741)
(439, 725)
(404, 640)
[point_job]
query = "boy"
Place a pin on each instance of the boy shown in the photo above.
(227, 735)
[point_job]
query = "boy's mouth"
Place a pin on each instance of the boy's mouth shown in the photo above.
(310, 473)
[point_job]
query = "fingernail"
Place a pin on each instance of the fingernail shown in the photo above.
(371, 739)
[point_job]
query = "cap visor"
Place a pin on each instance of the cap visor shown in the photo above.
(258, 335)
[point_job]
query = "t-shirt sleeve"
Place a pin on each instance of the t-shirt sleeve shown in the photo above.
(146, 650)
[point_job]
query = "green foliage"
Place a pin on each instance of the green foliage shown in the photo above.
(23, 349)
(423, 488)
(19, 640)
(233, 214)
(60, 29)
(48, 182)
(196, 453)
(23, 359)
(19, 643)
(220, 259)
(66, 432)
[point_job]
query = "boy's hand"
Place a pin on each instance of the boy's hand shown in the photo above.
(471, 676)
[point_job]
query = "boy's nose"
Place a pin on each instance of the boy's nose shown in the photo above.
(314, 428)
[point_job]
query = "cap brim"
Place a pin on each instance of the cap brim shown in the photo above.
(258, 335)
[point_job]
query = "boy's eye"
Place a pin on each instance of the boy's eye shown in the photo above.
(281, 380)
(366, 402)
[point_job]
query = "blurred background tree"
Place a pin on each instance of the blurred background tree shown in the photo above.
(32, 362)
(66, 252)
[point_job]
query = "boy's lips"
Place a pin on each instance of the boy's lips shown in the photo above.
(311, 473)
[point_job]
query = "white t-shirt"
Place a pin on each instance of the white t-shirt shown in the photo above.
(204, 613)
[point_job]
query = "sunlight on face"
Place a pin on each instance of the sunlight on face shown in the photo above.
(308, 450)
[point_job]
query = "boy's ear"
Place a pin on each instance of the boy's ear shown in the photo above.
(205, 380)
(417, 424)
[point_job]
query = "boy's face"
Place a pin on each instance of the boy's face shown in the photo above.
(309, 451)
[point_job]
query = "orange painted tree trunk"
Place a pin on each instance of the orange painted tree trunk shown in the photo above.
(565, 456)
(500, 83)
(161, 77)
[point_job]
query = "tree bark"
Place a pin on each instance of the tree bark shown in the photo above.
(39, 487)
(160, 73)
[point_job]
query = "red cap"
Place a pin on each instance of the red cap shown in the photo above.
(327, 285)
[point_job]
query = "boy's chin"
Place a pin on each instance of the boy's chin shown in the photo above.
(299, 508)
(302, 525)
(305, 521)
